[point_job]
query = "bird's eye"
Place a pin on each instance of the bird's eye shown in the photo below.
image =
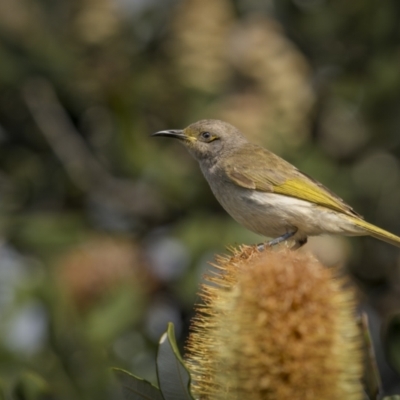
(206, 135)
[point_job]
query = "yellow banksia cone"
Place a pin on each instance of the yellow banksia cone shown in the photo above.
(275, 325)
(200, 30)
(276, 106)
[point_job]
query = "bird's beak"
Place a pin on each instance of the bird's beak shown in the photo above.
(172, 133)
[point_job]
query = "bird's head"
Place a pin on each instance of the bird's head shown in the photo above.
(207, 139)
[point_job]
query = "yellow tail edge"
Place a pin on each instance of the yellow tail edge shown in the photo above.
(378, 233)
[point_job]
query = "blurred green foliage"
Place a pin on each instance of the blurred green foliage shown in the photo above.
(105, 232)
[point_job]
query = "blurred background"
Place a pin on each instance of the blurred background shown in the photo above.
(106, 232)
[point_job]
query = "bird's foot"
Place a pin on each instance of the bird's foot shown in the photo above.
(299, 243)
(281, 239)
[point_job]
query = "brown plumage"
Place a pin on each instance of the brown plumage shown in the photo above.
(265, 193)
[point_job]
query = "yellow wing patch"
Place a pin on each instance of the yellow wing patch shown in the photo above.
(303, 190)
(287, 180)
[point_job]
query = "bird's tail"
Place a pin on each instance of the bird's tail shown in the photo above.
(378, 233)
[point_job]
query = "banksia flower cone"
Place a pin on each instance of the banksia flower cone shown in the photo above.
(275, 325)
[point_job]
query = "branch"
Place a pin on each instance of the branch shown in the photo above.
(80, 164)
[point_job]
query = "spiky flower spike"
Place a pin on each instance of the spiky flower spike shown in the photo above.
(275, 325)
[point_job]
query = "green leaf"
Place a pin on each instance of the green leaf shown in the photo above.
(173, 376)
(394, 397)
(31, 386)
(2, 395)
(392, 341)
(134, 388)
(371, 377)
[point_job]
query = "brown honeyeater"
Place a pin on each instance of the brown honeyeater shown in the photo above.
(265, 193)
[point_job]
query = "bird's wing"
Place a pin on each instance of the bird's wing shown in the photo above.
(262, 175)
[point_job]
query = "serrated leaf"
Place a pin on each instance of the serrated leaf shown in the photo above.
(173, 376)
(134, 388)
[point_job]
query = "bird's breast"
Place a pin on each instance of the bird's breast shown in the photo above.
(263, 213)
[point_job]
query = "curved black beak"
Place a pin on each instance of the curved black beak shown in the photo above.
(172, 133)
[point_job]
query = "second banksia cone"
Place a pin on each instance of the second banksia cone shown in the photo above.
(275, 325)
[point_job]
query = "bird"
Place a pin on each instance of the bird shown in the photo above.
(265, 193)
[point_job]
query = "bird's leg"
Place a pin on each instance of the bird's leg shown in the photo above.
(299, 243)
(277, 240)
